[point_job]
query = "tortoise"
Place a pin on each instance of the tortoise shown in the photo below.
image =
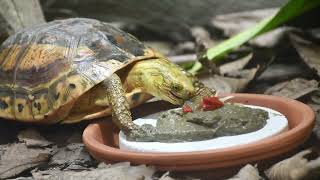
(66, 71)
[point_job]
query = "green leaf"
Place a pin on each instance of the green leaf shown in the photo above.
(292, 9)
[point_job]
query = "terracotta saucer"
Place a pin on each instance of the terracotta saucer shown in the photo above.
(102, 142)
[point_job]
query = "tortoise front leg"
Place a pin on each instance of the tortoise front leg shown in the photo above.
(120, 108)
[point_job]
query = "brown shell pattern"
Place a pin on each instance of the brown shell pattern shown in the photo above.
(47, 66)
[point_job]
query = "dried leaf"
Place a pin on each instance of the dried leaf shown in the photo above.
(166, 176)
(270, 39)
(234, 23)
(315, 32)
(316, 128)
(293, 89)
(185, 47)
(32, 138)
(295, 168)
(292, 9)
(282, 72)
(308, 51)
(17, 158)
(247, 172)
(120, 171)
(235, 65)
(73, 156)
(237, 83)
(201, 35)
(218, 83)
(314, 103)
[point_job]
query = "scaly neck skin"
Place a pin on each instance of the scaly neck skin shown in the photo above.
(162, 79)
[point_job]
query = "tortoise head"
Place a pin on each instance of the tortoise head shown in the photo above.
(163, 79)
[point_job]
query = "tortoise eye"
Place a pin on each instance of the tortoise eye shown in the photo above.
(176, 87)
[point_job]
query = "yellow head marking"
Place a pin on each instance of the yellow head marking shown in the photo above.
(162, 79)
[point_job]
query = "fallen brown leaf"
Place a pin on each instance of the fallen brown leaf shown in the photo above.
(293, 89)
(308, 51)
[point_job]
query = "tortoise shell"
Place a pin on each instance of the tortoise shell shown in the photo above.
(46, 67)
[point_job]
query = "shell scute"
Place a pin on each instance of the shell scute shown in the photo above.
(45, 67)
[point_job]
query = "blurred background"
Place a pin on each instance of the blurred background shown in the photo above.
(167, 18)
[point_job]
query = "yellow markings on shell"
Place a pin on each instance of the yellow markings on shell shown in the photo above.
(61, 91)
(40, 107)
(70, 88)
(39, 56)
(22, 110)
(6, 110)
(75, 86)
(100, 97)
(8, 59)
(36, 106)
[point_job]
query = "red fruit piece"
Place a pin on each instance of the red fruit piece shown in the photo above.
(186, 109)
(211, 103)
